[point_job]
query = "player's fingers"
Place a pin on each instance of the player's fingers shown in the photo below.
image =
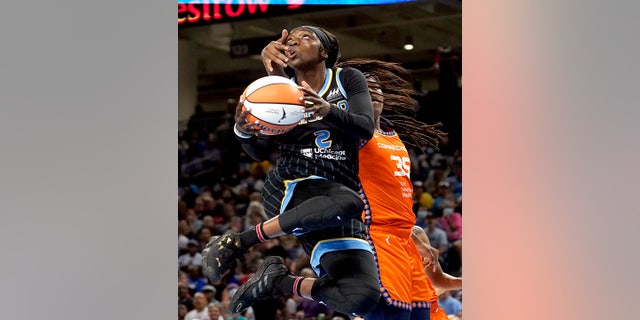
(309, 93)
(305, 86)
(312, 102)
(267, 64)
(283, 36)
(275, 56)
(275, 47)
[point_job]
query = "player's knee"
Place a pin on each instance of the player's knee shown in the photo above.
(363, 295)
(351, 205)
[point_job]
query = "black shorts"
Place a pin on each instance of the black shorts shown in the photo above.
(281, 196)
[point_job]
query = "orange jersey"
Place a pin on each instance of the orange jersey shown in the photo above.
(387, 192)
(384, 174)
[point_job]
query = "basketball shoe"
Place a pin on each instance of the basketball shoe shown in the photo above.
(261, 285)
(219, 254)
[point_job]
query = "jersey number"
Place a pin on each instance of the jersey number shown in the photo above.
(322, 139)
(403, 164)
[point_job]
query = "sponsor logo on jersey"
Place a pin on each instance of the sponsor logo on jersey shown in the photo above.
(333, 94)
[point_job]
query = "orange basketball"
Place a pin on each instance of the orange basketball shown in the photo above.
(273, 101)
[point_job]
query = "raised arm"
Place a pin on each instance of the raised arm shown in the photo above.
(358, 120)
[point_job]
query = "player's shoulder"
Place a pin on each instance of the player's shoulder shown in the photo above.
(349, 73)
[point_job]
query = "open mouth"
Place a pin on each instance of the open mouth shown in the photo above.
(290, 53)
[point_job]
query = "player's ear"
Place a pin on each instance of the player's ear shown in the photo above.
(323, 53)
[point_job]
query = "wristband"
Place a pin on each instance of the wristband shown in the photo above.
(240, 134)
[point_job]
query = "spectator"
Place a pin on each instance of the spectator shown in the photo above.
(456, 179)
(210, 292)
(183, 278)
(215, 311)
(208, 222)
(200, 311)
(255, 214)
(184, 298)
(204, 236)
(422, 200)
(196, 280)
(183, 230)
(437, 236)
(451, 221)
(442, 193)
(193, 255)
(193, 220)
(182, 311)
(236, 225)
(438, 173)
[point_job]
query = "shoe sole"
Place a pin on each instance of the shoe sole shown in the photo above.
(259, 275)
(213, 268)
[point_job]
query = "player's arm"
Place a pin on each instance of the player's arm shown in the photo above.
(358, 122)
(440, 280)
(257, 147)
(443, 281)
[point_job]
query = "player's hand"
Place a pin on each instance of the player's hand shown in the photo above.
(242, 124)
(430, 260)
(315, 105)
(273, 56)
(429, 255)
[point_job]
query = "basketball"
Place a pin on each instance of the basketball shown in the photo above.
(274, 102)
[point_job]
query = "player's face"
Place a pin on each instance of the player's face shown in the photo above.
(304, 48)
(377, 100)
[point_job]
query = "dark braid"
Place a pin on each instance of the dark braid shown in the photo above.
(400, 107)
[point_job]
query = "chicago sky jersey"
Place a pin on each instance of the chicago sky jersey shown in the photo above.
(319, 147)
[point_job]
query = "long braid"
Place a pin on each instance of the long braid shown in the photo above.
(400, 107)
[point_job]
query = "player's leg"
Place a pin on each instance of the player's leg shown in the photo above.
(349, 285)
(316, 204)
(312, 204)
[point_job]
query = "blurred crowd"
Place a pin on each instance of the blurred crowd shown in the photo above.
(219, 192)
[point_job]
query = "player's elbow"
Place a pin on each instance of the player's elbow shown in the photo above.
(368, 129)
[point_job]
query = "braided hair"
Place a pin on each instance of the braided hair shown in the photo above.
(400, 107)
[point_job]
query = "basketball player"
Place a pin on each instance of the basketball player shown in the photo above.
(313, 190)
(407, 293)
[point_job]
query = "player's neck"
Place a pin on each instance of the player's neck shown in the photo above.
(377, 124)
(314, 77)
